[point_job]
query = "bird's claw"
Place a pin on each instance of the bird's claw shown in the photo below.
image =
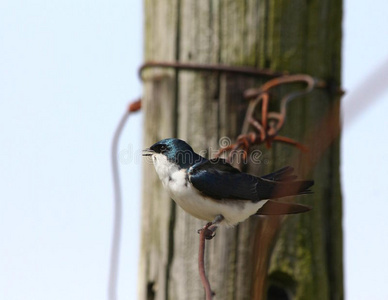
(209, 234)
(208, 231)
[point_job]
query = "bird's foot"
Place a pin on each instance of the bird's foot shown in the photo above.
(210, 228)
(209, 234)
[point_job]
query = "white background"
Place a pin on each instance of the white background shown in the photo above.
(67, 71)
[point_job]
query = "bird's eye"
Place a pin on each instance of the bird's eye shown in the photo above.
(163, 148)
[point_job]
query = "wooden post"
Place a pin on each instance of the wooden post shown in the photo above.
(299, 257)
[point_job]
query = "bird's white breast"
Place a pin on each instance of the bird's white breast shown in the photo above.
(177, 184)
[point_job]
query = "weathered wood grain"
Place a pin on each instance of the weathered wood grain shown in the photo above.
(300, 256)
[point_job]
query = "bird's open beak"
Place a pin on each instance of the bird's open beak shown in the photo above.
(148, 152)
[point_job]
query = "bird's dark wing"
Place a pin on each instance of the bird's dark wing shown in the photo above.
(283, 174)
(218, 179)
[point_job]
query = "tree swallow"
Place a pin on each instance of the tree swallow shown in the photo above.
(213, 190)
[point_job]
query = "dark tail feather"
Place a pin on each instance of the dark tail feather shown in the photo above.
(268, 189)
(281, 208)
(279, 184)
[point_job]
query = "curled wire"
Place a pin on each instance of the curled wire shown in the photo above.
(116, 237)
(271, 122)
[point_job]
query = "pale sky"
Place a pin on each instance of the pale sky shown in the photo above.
(67, 72)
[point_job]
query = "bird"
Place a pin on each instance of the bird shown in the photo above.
(213, 190)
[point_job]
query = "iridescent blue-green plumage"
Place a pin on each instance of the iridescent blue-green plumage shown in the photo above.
(177, 151)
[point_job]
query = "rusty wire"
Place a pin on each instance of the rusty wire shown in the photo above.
(116, 237)
(203, 235)
(240, 70)
(247, 71)
(267, 129)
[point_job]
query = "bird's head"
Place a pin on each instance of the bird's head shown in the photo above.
(175, 150)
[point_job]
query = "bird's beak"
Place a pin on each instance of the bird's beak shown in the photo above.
(148, 152)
